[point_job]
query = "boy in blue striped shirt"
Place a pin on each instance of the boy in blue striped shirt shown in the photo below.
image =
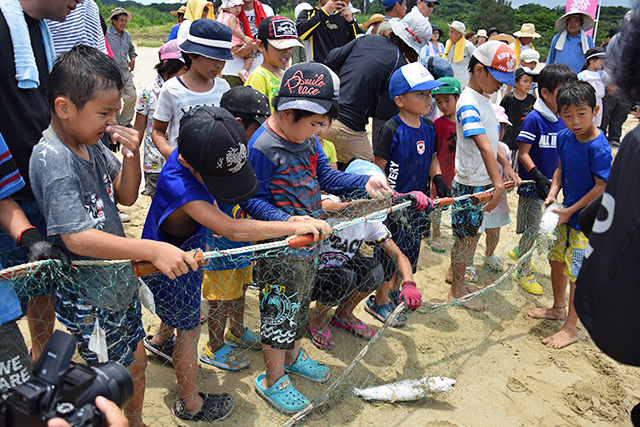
(477, 156)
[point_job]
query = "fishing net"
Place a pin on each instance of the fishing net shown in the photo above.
(437, 340)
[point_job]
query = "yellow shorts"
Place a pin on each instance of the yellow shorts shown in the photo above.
(225, 285)
(569, 250)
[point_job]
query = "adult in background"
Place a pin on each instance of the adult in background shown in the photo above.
(481, 37)
(524, 37)
(195, 9)
(434, 47)
(365, 66)
(571, 43)
(458, 51)
(492, 31)
(371, 26)
(124, 54)
(426, 6)
(179, 14)
(328, 25)
(615, 106)
(82, 26)
(394, 8)
(25, 115)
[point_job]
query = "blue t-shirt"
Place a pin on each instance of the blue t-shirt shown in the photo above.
(408, 152)
(581, 162)
(571, 53)
(174, 32)
(542, 135)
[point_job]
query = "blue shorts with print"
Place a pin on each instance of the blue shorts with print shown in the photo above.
(123, 329)
(466, 218)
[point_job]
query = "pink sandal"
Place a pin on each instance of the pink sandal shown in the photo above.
(367, 334)
(314, 341)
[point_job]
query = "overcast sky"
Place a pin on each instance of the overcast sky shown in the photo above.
(515, 3)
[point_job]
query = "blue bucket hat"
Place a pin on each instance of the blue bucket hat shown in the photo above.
(209, 38)
(412, 77)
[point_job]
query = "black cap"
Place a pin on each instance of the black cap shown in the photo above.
(308, 86)
(528, 71)
(246, 100)
(214, 143)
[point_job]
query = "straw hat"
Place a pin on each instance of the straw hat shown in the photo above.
(376, 17)
(182, 10)
(502, 37)
(481, 33)
(527, 30)
(119, 11)
(587, 21)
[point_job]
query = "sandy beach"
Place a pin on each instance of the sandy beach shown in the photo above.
(505, 376)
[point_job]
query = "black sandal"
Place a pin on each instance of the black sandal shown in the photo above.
(216, 407)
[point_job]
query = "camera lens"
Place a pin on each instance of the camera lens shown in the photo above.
(113, 382)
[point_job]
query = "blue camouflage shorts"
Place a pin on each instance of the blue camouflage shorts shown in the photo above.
(466, 218)
(123, 329)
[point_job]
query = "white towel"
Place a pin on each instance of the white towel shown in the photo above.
(542, 108)
(26, 69)
(583, 39)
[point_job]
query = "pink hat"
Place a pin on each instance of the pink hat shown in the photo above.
(501, 114)
(171, 50)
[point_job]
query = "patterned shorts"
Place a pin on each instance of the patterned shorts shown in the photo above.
(569, 249)
(466, 218)
(123, 329)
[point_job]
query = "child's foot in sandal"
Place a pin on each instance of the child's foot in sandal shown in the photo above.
(215, 407)
(321, 340)
(382, 312)
(224, 358)
(282, 395)
(247, 340)
(437, 246)
(309, 369)
(357, 328)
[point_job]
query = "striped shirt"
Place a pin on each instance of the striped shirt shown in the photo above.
(474, 116)
(82, 26)
(10, 178)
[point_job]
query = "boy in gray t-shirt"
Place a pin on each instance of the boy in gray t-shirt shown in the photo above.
(76, 183)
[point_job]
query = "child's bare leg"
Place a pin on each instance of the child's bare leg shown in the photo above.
(136, 370)
(236, 317)
(493, 237)
(344, 312)
(559, 285)
(274, 361)
(216, 322)
(569, 332)
(41, 317)
(248, 62)
(382, 295)
(185, 365)
(163, 335)
(319, 320)
(436, 219)
(525, 244)
(459, 287)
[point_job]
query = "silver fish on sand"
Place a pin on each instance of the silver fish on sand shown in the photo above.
(406, 390)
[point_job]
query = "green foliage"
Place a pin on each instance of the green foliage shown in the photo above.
(143, 16)
(493, 13)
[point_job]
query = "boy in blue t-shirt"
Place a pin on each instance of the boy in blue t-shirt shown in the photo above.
(538, 160)
(406, 152)
(583, 170)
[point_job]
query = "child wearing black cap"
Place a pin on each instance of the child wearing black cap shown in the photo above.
(517, 105)
(291, 169)
(210, 165)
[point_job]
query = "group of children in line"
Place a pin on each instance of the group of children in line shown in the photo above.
(262, 156)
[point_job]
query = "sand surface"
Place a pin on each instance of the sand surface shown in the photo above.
(506, 377)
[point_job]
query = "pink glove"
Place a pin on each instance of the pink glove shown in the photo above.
(420, 201)
(410, 295)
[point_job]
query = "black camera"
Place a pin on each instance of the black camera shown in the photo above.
(57, 390)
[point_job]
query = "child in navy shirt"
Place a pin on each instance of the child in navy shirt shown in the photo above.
(406, 152)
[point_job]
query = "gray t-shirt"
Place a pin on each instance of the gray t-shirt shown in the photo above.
(77, 195)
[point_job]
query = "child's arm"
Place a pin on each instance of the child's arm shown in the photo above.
(483, 144)
(127, 184)
(95, 243)
(233, 24)
(410, 294)
(556, 185)
(159, 139)
(507, 171)
(542, 182)
(598, 188)
(251, 230)
(140, 125)
(435, 172)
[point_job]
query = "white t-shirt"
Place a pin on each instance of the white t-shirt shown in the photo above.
(474, 116)
(341, 247)
(232, 68)
(175, 100)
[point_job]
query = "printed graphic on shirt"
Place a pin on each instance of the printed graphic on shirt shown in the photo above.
(94, 206)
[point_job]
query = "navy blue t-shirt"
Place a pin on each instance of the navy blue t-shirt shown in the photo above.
(408, 152)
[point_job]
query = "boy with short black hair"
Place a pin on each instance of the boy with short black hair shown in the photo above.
(77, 181)
(210, 165)
(537, 161)
(477, 156)
(583, 170)
(406, 152)
(204, 52)
(291, 169)
(517, 104)
(277, 36)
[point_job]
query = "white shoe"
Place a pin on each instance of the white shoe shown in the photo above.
(494, 263)
(124, 217)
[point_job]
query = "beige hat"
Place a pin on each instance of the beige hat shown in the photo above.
(182, 10)
(527, 30)
(482, 33)
(587, 21)
(458, 26)
(502, 37)
(119, 11)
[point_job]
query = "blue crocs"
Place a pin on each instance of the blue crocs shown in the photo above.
(394, 296)
(225, 358)
(282, 395)
(309, 369)
(247, 340)
(382, 312)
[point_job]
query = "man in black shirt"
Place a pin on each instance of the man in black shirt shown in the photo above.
(25, 115)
